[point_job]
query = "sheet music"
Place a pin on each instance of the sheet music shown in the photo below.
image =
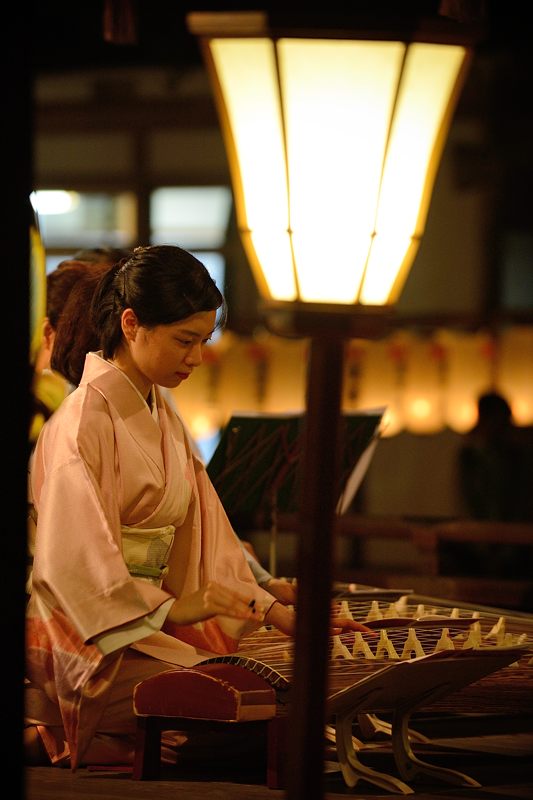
(361, 467)
(354, 481)
(259, 452)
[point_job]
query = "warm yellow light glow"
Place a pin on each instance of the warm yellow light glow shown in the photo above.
(426, 87)
(337, 103)
(420, 375)
(464, 414)
(334, 147)
(380, 385)
(468, 374)
(246, 70)
(203, 425)
(515, 373)
(422, 412)
(522, 409)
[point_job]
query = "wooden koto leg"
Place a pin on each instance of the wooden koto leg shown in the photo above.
(402, 688)
(351, 767)
(371, 724)
(409, 765)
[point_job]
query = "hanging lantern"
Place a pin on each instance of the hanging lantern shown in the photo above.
(381, 382)
(469, 370)
(515, 372)
(422, 388)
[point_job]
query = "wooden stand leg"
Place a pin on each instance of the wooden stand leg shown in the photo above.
(276, 752)
(147, 761)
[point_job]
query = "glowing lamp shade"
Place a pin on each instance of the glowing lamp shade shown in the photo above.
(333, 147)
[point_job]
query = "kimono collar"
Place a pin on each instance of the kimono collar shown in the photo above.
(119, 390)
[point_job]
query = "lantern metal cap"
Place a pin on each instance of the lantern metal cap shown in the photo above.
(409, 22)
(296, 319)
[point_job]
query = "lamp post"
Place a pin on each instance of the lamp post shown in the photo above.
(333, 140)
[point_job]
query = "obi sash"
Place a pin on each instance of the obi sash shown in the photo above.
(146, 552)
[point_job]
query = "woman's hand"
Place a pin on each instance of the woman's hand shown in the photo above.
(284, 619)
(282, 590)
(340, 624)
(210, 600)
(343, 624)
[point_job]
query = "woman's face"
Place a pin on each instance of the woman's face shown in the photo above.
(167, 354)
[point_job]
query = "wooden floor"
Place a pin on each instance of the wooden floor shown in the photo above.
(498, 756)
(42, 786)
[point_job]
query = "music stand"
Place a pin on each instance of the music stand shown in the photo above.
(255, 465)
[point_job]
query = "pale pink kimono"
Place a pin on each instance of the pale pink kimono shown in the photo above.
(102, 461)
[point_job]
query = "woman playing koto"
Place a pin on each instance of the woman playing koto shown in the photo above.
(137, 568)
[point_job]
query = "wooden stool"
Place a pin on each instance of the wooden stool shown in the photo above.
(206, 698)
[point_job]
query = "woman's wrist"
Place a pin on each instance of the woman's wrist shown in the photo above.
(281, 618)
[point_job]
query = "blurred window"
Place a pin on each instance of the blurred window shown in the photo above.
(195, 218)
(71, 220)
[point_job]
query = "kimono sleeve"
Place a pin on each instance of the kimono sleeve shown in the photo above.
(78, 557)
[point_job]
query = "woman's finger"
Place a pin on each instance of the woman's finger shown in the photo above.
(351, 625)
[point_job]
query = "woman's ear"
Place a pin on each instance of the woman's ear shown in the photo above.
(48, 334)
(44, 355)
(130, 324)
